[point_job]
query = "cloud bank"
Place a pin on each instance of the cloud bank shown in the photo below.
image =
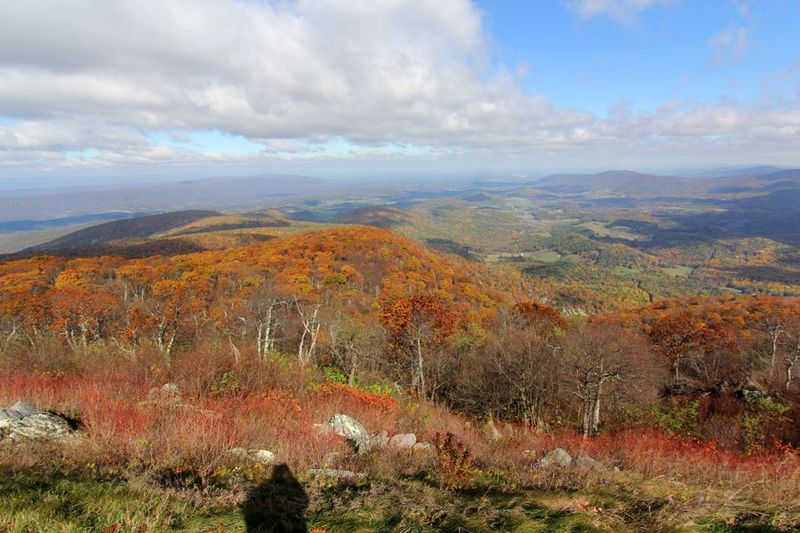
(93, 84)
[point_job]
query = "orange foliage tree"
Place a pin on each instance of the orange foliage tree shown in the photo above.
(418, 325)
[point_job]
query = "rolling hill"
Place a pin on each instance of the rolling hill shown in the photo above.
(118, 230)
(624, 183)
(616, 183)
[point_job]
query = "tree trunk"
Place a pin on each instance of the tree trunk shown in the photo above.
(420, 370)
(311, 327)
(351, 377)
(259, 344)
(791, 361)
(234, 350)
(774, 353)
(587, 417)
(596, 410)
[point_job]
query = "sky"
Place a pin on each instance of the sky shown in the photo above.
(137, 89)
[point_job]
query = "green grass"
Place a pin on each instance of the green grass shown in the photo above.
(35, 501)
(677, 271)
(601, 229)
(546, 256)
(627, 270)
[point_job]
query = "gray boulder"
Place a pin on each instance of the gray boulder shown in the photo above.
(8, 417)
(373, 442)
(349, 428)
(23, 409)
(257, 456)
(43, 426)
(171, 389)
(403, 441)
(23, 421)
(557, 457)
(168, 391)
(263, 456)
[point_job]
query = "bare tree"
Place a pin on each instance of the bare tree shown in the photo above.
(353, 344)
(603, 359)
(265, 309)
(310, 332)
(791, 359)
(514, 374)
(775, 330)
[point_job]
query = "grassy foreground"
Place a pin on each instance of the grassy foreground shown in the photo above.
(37, 500)
(147, 466)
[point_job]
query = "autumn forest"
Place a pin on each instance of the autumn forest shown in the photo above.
(412, 266)
(486, 340)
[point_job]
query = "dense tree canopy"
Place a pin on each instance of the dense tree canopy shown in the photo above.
(372, 305)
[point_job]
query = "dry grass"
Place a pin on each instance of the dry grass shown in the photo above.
(648, 477)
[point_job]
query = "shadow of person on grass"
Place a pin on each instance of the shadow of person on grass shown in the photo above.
(277, 504)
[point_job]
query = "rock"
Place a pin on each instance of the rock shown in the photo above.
(373, 442)
(403, 441)
(238, 452)
(23, 409)
(23, 421)
(171, 389)
(426, 447)
(557, 457)
(255, 455)
(342, 475)
(8, 417)
(168, 391)
(349, 428)
(262, 456)
(584, 461)
(750, 394)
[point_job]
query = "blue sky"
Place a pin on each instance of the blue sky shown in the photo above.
(394, 87)
(662, 53)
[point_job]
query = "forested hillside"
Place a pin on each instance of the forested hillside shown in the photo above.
(376, 306)
(491, 365)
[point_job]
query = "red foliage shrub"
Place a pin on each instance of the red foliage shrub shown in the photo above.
(453, 460)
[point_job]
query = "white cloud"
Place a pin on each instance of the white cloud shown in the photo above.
(87, 83)
(729, 46)
(624, 11)
(370, 72)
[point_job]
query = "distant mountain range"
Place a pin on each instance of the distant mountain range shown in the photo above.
(214, 193)
(623, 183)
(54, 213)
